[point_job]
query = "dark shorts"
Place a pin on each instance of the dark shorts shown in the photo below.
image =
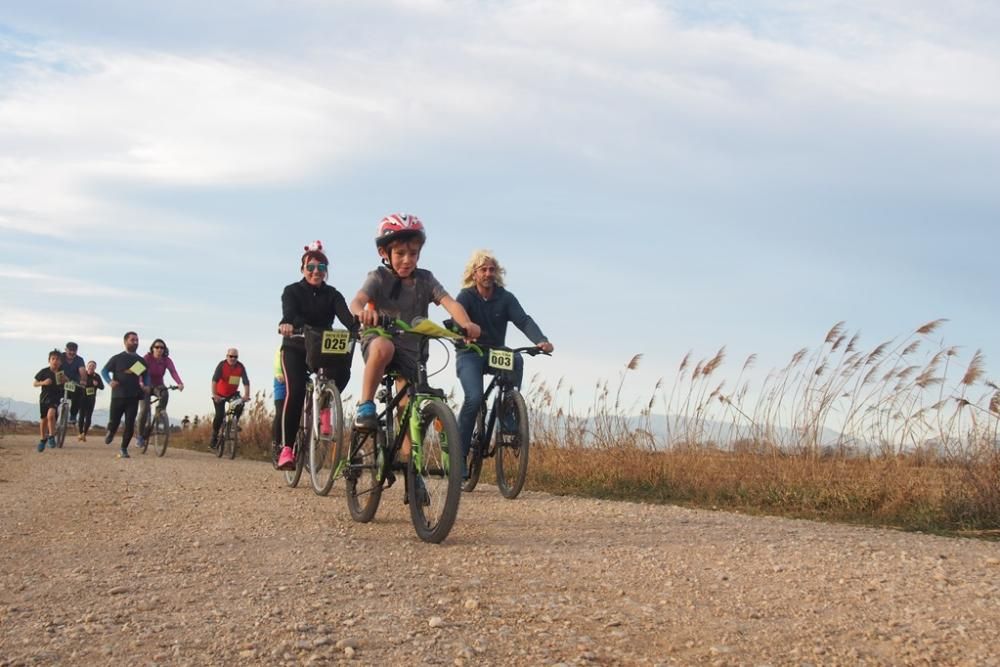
(44, 405)
(404, 362)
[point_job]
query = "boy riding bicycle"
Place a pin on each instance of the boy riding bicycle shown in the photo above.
(399, 290)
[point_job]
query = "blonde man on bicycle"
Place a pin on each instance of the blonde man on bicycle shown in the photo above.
(490, 306)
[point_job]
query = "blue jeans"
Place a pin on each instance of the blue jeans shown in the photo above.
(471, 368)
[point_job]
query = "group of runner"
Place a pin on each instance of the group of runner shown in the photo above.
(397, 289)
(131, 377)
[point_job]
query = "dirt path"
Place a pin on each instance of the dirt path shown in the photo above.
(190, 560)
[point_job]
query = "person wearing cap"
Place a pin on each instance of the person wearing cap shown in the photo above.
(73, 369)
(226, 380)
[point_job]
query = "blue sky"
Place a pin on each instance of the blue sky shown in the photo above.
(657, 177)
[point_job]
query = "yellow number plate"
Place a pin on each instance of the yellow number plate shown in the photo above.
(70, 386)
(336, 341)
(91, 391)
(502, 360)
(235, 380)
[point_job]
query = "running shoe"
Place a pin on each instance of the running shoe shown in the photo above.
(123, 454)
(108, 438)
(365, 419)
(41, 445)
(286, 460)
(52, 442)
(422, 495)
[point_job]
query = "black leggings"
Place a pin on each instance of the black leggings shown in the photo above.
(220, 413)
(86, 412)
(293, 364)
(279, 408)
(128, 407)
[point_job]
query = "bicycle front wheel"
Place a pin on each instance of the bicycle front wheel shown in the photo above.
(301, 445)
(512, 445)
(160, 433)
(327, 448)
(474, 459)
(434, 474)
(220, 443)
(232, 440)
(363, 475)
(62, 423)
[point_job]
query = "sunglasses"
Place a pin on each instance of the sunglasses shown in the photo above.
(233, 356)
(316, 267)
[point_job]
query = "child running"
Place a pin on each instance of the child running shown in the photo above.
(48, 400)
(402, 291)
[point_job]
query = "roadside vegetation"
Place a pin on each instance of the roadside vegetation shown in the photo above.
(905, 434)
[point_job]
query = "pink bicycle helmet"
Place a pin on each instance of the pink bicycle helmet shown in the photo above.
(399, 226)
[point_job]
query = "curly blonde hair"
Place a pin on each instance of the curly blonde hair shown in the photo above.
(480, 257)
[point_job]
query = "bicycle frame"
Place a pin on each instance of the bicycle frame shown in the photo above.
(500, 383)
(418, 394)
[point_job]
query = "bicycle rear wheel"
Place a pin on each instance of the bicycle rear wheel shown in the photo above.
(474, 459)
(327, 448)
(62, 423)
(363, 476)
(434, 475)
(160, 433)
(232, 438)
(512, 444)
(301, 446)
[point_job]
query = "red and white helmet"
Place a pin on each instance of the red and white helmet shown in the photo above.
(399, 226)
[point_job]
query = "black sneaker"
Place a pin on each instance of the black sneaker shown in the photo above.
(422, 495)
(108, 438)
(215, 442)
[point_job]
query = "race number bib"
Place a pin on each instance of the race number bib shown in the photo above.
(91, 391)
(70, 386)
(336, 341)
(502, 360)
(235, 380)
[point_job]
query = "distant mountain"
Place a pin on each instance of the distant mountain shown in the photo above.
(723, 434)
(29, 411)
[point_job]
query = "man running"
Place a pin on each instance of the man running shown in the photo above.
(126, 374)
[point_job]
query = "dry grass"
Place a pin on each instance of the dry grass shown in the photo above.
(882, 436)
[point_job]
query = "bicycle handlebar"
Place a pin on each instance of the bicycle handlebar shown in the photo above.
(530, 350)
(300, 332)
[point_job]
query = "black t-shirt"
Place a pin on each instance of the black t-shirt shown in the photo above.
(128, 382)
(91, 385)
(72, 368)
(51, 393)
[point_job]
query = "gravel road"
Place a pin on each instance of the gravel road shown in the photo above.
(191, 560)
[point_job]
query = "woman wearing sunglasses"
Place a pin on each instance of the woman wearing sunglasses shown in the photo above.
(312, 303)
(158, 362)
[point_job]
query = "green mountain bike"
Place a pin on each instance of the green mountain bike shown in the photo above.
(433, 474)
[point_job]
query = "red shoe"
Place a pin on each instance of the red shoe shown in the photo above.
(286, 460)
